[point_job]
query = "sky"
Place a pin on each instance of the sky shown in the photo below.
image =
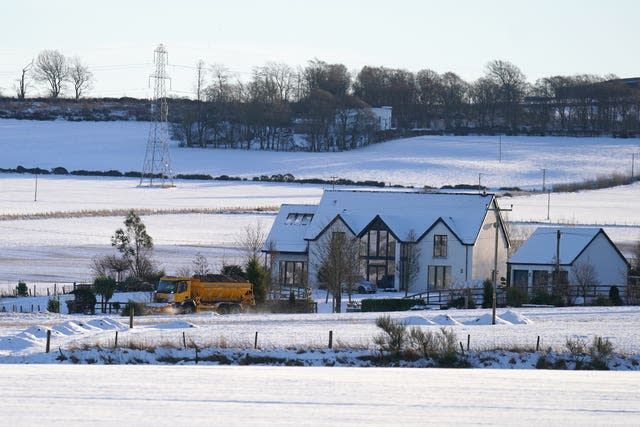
(117, 38)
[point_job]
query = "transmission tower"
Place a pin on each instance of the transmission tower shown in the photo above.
(157, 160)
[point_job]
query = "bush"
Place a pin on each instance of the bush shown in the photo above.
(463, 301)
(22, 290)
(487, 294)
(516, 297)
(614, 295)
(390, 304)
(139, 308)
(60, 171)
(394, 336)
(53, 305)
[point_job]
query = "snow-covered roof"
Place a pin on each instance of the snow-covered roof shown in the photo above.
(402, 212)
(289, 227)
(541, 247)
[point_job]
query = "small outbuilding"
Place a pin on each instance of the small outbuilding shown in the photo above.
(578, 263)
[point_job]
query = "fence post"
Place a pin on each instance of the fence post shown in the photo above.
(468, 341)
(131, 310)
(330, 339)
(48, 340)
(255, 341)
(538, 344)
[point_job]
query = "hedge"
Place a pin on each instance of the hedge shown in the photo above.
(390, 304)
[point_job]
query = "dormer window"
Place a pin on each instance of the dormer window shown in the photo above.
(298, 219)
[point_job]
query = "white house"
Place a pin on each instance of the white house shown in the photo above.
(575, 251)
(455, 233)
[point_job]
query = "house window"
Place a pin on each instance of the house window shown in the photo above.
(439, 277)
(540, 281)
(521, 280)
(440, 246)
(293, 273)
(378, 255)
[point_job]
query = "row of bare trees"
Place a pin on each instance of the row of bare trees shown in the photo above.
(54, 71)
(276, 102)
(328, 104)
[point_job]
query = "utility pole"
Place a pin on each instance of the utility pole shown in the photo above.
(544, 179)
(556, 272)
(479, 182)
(548, 203)
(633, 161)
(496, 210)
(35, 193)
(500, 149)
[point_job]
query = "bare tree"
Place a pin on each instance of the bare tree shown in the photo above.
(80, 77)
(512, 87)
(51, 68)
(201, 265)
(109, 266)
(585, 278)
(409, 265)
(22, 83)
(200, 79)
(338, 263)
(251, 240)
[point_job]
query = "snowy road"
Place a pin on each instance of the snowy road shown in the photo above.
(205, 396)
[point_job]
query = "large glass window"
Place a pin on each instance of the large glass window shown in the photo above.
(440, 246)
(378, 253)
(293, 273)
(439, 277)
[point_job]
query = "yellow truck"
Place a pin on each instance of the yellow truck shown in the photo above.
(216, 292)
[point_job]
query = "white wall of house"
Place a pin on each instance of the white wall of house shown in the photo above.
(610, 268)
(383, 117)
(483, 253)
(456, 258)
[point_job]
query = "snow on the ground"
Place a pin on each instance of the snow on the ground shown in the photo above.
(261, 395)
(419, 161)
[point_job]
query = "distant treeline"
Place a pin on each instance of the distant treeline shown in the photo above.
(327, 106)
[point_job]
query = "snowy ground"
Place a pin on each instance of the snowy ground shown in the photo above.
(260, 396)
(59, 248)
(429, 160)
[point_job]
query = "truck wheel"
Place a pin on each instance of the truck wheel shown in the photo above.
(188, 308)
(223, 309)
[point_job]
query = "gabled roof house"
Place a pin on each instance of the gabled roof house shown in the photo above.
(454, 231)
(572, 250)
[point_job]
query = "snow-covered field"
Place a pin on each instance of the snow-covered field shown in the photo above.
(59, 247)
(268, 396)
(429, 160)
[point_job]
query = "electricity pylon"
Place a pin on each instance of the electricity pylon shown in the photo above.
(157, 160)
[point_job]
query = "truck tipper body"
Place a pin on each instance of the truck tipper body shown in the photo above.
(216, 292)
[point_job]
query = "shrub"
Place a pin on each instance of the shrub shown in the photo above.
(394, 336)
(614, 295)
(60, 171)
(487, 294)
(463, 301)
(600, 350)
(516, 297)
(139, 308)
(22, 290)
(53, 305)
(389, 304)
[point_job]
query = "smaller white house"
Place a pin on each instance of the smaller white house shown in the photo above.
(586, 259)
